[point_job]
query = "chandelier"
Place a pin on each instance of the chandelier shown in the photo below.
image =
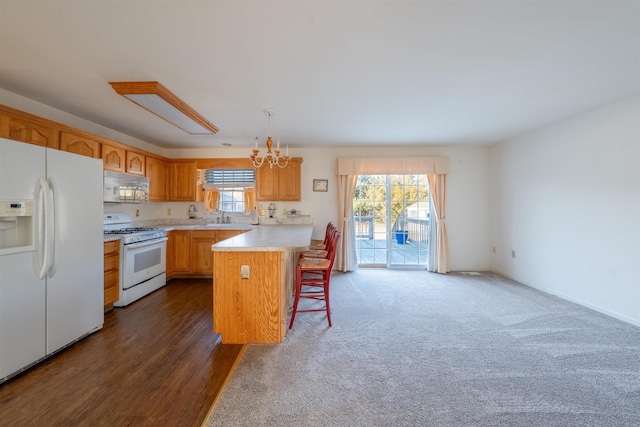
(272, 157)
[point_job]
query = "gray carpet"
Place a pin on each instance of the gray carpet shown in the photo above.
(412, 348)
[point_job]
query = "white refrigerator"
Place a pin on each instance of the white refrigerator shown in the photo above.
(51, 252)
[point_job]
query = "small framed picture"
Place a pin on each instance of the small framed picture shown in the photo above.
(320, 184)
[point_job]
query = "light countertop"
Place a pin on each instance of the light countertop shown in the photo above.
(268, 238)
(211, 226)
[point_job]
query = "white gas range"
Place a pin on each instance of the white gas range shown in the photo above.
(142, 257)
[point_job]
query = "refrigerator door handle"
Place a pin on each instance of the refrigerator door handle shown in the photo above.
(52, 234)
(42, 189)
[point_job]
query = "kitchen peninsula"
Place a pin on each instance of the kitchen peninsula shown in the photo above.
(253, 282)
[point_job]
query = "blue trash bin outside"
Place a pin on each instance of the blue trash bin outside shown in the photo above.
(402, 236)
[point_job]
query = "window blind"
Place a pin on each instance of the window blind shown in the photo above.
(226, 178)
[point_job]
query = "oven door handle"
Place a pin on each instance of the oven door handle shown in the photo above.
(147, 243)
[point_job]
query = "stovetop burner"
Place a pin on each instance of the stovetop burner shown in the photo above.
(131, 230)
(121, 224)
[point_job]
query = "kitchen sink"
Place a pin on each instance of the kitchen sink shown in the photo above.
(215, 226)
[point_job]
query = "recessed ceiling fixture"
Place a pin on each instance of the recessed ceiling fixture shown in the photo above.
(272, 157)
(157, 99)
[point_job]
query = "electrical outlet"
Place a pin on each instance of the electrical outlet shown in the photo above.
(244, 271)
(513, 254)
(168, 212)
(137, 212)
(493, 249)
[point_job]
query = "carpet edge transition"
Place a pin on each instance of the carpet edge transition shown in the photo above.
(224, 386)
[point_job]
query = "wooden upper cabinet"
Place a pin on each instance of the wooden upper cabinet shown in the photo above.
(135, 163)
(157, 172)
(182, 181)
(266, 184)
(113, 158)
(25, 130)
(289, 181)
(279, 184)
(78, 144)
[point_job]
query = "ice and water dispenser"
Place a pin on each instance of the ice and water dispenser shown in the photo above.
(16, 226)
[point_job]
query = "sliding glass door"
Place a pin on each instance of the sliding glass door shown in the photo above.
(391, 215)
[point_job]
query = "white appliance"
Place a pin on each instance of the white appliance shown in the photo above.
(125, 188)
(143, 257)
(51, 252)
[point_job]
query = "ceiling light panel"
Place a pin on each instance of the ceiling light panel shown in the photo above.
(157, 99)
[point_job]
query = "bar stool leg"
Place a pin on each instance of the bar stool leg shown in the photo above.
(326, 298)
(297, 296)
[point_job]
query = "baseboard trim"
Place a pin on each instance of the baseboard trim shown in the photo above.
(615, 315)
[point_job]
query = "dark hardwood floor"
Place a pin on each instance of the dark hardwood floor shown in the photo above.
(156, 362)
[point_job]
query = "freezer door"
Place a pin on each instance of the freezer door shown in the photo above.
(75, 286)
(20, 166)
(22, 295)
(22, 314)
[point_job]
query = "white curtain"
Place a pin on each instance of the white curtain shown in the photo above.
(433, 239)
(346, 254)
(392, 165)
(348, 169)
(438, 188)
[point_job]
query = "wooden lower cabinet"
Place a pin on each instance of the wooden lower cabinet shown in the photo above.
(111, 273)
(181, 251)
(227, 234)
(189, 251)
(170, 254)
(201, 255)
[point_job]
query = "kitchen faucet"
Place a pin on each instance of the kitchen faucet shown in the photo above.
(222, 220)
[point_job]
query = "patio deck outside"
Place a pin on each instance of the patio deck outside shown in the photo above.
(408, 249)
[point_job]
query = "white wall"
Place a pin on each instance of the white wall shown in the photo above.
(566, 198)
(467, 192)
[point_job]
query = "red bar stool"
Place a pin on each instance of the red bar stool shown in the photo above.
(322, 244)
(320, 251)
(313, 276)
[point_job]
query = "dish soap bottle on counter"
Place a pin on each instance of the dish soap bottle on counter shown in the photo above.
(254, 216)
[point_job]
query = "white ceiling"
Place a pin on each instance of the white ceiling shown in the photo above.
(337, 73)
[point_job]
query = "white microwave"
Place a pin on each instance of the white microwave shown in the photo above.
(125, 188)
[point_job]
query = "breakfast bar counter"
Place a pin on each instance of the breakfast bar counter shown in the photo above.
(253, 282)
(268, 238)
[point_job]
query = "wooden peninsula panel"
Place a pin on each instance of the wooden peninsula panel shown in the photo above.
(255, 309)
(248, 310)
